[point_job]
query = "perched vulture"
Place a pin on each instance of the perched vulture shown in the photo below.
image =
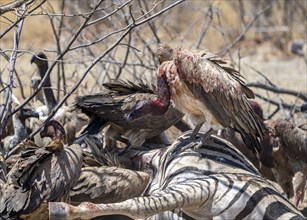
(207, 89)
(42, 64)
(41, 175)
(290, 157)
(111, 106)
(19, 125)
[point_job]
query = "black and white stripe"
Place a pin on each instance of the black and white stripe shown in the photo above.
(212, 181)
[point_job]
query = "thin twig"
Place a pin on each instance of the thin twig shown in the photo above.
(21, 18)
(278, 90)
(283, 105)
(4, 116)
(205, 26)
(246, 28)
(65, 50)
(15, 4)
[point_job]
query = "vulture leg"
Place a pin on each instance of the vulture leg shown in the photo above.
(195, 131)
(204, 138)
(207, 135)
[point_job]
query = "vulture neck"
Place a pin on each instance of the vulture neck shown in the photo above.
(49, 98)
(161, 104)
(20, 131)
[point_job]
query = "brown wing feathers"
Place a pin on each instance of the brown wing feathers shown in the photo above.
(224, 92)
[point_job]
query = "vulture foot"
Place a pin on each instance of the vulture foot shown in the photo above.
(195, 131)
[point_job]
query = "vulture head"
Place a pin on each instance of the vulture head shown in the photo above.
(39, 59)
(145, 107)
(164, 53)
(304, 107)
(27, 112)
(54, 130)
(156, 106)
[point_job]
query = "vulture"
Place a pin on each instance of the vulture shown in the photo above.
(42, 65)
(72, 121)
(19, 125)
(41, 175)
(111, 106)
(290, 157)
(298, 47)
(265, 157)
(35, 81)
(206, 88)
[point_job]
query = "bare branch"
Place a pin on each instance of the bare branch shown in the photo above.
(21, 18)
(15, 4)
(8, 91)
(205, 26)
(66, 49)
(278, 90)
(246, 28)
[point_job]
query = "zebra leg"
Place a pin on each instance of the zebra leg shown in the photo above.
(180, 196)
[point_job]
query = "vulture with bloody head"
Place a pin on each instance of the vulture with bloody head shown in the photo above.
(206, 88)
(110, 107)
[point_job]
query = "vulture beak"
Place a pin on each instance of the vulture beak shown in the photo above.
(31, 113)
(33, 59)
(304, 107)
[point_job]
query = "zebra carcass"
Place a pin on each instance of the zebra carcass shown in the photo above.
(214, 181)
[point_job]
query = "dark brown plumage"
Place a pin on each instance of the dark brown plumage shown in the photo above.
(108, 184)
(42, 65)
(35, 81)
(207, 89)
(111, 106)
(40, 175)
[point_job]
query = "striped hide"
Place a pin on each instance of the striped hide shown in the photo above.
(214, 181)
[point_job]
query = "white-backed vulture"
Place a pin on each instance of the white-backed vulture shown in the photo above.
(207, 89)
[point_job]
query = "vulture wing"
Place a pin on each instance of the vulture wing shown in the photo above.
(221, 89)
(40, 175)
(119, 99)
